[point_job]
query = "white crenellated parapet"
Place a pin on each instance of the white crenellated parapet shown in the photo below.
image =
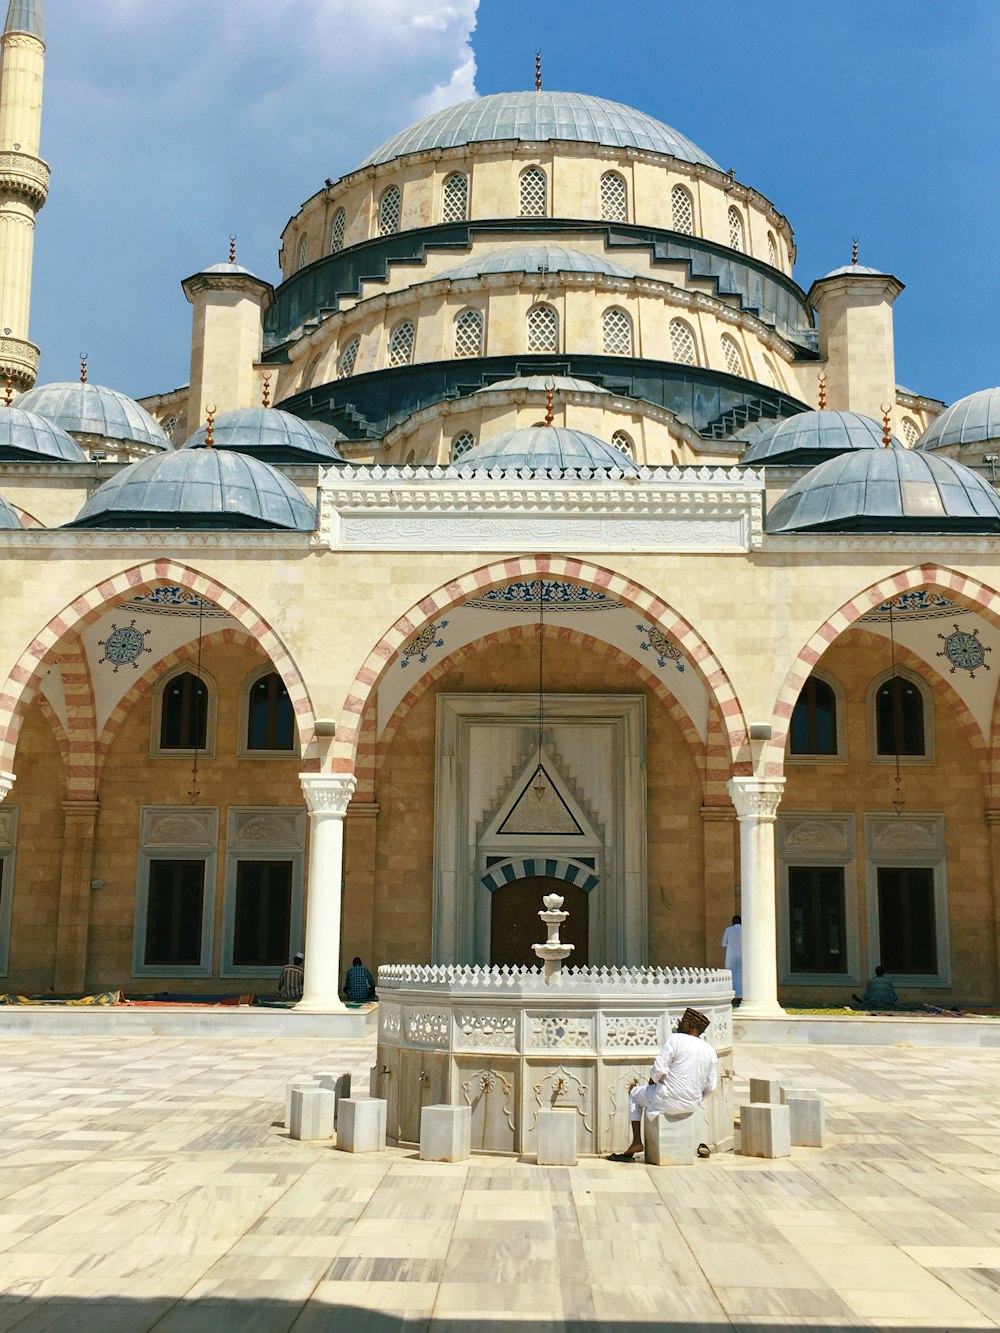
(672, 983)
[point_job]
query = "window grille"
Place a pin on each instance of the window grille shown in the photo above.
(534, 193)
(345, 364)
(543, 329)
(614, 197)
(337, 230)
(736, 229)
(617, 332)
(461, 444)
(910, 431)
(622, 441)
(455, 203)
(303, 254)
(469, 333)
(731, 352)
(401, 344)
(682, 343)
(772, 250)
(682, 210)
(388, 211)
(772, 374)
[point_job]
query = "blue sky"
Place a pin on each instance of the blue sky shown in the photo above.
(168, 125)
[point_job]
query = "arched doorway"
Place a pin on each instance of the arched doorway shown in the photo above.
(515, 927)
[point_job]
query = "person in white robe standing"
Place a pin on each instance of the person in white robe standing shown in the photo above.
(732, 942)
(682, 1076)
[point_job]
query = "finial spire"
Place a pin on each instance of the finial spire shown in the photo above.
(232, 249)
(854, 251)
(821, 378)
(266, 395)
(83, 367)
(9, 395)
(550, 389)
(210, 427)
(538, 71)
(886, 431)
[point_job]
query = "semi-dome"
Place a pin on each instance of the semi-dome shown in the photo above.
(535, 259)
(536, 117)
(198, 488)
(974, 419)
(269, 434)
(812, 437)
(92, 409)
(26, 437)
(541, 383)
(888, 490)
(9, 521)
(542, 448)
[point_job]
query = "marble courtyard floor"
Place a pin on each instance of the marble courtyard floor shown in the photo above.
(145, 1185)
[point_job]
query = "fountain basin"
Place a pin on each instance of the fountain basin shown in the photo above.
(506, 1044)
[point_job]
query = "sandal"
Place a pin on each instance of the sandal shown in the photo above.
(704, 1150)
(622, 1157)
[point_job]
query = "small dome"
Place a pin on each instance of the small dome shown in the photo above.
(91, 409)
(857, 271)
(269, 434)
(541, 383)
(28, 438)
(535, 259)
(230, 269)
(536, 117)
(887, 490)
(812, 437)
(972, 420)
(9, 521)
(542, 448)
(198, 488)
(755, 430)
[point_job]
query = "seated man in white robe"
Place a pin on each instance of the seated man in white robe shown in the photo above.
(682, 1076)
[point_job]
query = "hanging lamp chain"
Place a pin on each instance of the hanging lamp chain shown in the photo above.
(538, 786)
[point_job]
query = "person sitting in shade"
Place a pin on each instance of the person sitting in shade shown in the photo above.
(290, 981)
(732, 942)
(359, 984)
(683, 1074)
(880, 993)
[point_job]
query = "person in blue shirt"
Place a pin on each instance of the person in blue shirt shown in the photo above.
(359, 984)
(880, 993)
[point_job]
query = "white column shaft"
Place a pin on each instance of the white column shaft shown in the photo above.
(328, 798)
(756, 802)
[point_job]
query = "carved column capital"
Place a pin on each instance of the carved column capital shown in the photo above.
(756, 798)
(7, 781)
(328, 793)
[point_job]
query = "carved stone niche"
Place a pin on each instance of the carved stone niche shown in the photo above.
(180, 826)
(816, 834)
(268, 828)
(907, 835)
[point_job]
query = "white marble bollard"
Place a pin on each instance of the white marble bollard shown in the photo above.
(765, 1130)
(765, 1090)
(556, 1136)
(301, 1081)
(445, 1133)
(671, 1140)
(362, 1124)
(340, 1086)
(312, 1114)
(806, 1118)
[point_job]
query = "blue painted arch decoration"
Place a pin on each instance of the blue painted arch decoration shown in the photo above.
(551, 867)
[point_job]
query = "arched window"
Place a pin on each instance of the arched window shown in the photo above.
(814, 719)
(772, 250)
(533, 193)
(303, 253)
(455, 198)
(682, 210)
(401, 344)
(910, 431)
(310, 374)
(617, 325)
(736, 229)
(184, 713)
(543, 329)
(337, 229)
(899, 717)
(461, 444)
(772, 374)
(614, 197)
(682, 343)
(469, 333)
(731, 352)
(389, 206)
(270, 716)
(347, 358)
(622, 441)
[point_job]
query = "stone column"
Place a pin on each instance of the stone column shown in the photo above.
(993, 832)
(72, 930)
(719, 841)
(756, 801)
(359, 881)
(327, 796)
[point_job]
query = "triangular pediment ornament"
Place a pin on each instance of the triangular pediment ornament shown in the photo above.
(539, 803)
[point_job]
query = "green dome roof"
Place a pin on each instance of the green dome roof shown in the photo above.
(812, 437)
(269, 434)
(547, 448)
(974, 419)
(92, 409)
(28, 438)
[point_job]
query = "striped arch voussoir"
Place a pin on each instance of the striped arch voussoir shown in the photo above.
(551, 867)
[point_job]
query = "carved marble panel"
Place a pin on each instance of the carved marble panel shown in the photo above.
(619, 1080)
(816, 835)
(489, 1031)
(558, 1032)
(179, 826)
(906, 835)
(567, 1084)
(260, 828)
(490, 1088)
(630, 1032)
(427, 1027)
(389, 1022)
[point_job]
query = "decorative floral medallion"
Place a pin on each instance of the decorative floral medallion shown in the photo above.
(124, 646)
(918, 604)
(659, 643)
(421, 644)
(964, 651)
(554, 594)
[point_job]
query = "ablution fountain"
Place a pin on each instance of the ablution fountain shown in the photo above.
(511, 1041)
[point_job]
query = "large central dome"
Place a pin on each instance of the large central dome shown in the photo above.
(536, 117)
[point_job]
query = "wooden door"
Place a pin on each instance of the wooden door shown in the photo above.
(515, 927)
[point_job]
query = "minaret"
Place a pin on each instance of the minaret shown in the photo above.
(24, 182)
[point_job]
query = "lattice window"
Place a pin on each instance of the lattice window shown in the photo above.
(337, 229)
(910, 431)
(401, 344)
(736, 229)
(303, 258)
(772, 250)
(455, 198)
(389, 207)
(731, 352)
(469, 333)
(617, 332)
(622, 441)
(772, 374)
(534, 193)
(682, 343)
(543, 329)
(614, 197)
(461, 444)
(345, 363)
(682, 210)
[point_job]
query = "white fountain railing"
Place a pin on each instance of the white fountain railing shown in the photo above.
(451, 978)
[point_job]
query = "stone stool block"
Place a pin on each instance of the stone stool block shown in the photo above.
(765, 1130)
(765, 1090)
(445, 1133)
(340, 1086)
(362, 1124)
(806, 1119)
(312, 1114)
(301, 1081)
(556, 1136)
(671, 1140)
